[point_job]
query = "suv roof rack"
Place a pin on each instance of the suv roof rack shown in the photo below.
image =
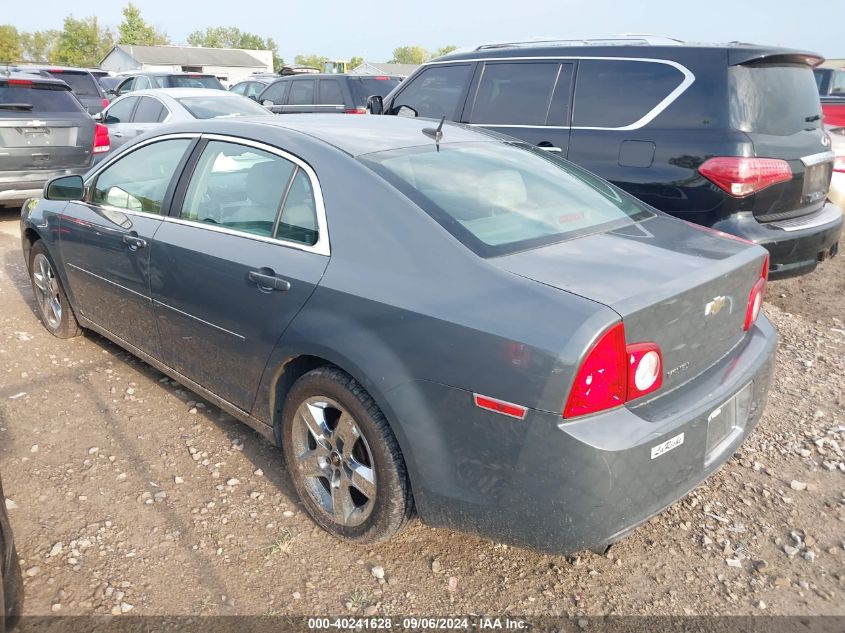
(628, 39)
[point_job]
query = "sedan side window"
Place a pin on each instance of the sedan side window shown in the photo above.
(299, 215)
(238, 187)
(120, 111)
(149, 110)
(139, 180)
(240, 88)
(141, 83)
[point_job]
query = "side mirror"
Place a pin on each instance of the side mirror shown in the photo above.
(267, 103)
(375, 104)
(99, 117)
(66, 188)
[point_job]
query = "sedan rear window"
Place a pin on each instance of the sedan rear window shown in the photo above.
(194, 81)
(498, 198)
(216, 107)
(39, 99)
(780, 100)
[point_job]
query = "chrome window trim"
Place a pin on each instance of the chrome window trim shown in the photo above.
(688, 80)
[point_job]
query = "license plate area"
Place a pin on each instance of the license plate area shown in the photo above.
(726, 423)
(816, 181)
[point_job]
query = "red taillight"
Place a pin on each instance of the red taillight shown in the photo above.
(645, 369)
(740, 176)
(105, 102)
(356, 111)
(381, 78)
(101, 139)
(614, 373)
(601, 380)
(755, 298)
(20, 82)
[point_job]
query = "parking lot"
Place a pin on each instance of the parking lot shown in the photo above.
(128, 495)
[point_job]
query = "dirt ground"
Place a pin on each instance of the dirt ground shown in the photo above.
(126, 496)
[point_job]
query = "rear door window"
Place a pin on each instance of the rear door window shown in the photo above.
(330, 92)
(435, 92)
(120, 111)
(302, 92)
(515, 93)
(619, 93)
(275, 92)
(774, 99)
(142, 83)
(127, 86)
(149, 111)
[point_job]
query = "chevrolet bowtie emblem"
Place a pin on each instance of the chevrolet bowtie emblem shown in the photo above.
(715, 306)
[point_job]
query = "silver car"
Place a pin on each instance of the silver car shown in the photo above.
(142, 110)
(836, 193)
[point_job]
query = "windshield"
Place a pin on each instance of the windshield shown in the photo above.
(780, 100)
(82, 84)
(223, 106)
(194, 81)
(498, 198)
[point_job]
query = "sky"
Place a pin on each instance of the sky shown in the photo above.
(372, 30)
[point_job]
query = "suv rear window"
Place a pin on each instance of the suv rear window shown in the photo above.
(518, 197)
(618, 93)
(82, 84)
(40, 99)
(366, 87)
(780, 100)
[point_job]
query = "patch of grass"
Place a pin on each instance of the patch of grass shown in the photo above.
(358, 599)
(280, 546)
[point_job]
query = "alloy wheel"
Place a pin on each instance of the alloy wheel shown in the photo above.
(47, 290)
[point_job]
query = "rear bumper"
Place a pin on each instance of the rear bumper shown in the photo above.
(795, 247)
(566, 486)
(17, 186)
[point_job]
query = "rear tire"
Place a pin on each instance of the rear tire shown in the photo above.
(343, 458)
(54, 309)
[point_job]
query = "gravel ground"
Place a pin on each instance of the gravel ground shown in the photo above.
(130, 496)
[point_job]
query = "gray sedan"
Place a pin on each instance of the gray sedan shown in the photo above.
(440, 320)
(142, 110)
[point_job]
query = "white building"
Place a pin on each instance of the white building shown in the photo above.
(230, 65)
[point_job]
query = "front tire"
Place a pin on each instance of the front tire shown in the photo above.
(343, 458)
(54, 309)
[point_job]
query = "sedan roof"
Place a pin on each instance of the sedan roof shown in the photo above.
(180, 93)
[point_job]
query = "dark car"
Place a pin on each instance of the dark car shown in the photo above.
(147, 80)
(83, 84)
(727, 136)
(323, 93)
(253, 86)
(109, 84)
(44, 132)
(440, 319)
(11, 583)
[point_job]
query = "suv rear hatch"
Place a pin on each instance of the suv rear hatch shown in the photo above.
(673, 284)
(42, 127)
(84, 86)
(775, 102)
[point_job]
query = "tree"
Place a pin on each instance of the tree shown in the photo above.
(410, 55)
(10, 44)
(315, 61)
(134, 30)
(355, 62)
(39, 46)
(445, 50)
(82, 42)
(233, 37)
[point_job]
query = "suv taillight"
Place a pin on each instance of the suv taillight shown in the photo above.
(755, 298)
(101, 139)
(740, 176)
(614, 373)
(356, 111)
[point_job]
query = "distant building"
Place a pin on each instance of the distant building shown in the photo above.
(396, 70)
(229, 65)
(833, 63)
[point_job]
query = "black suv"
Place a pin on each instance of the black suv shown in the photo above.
(147, 80)
(325, 93)
(81, 81)
(44, 133)
(726, 136)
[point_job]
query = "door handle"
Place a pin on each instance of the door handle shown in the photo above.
(268, 281)
(134, 242)
(117, 134)
(548, 147)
